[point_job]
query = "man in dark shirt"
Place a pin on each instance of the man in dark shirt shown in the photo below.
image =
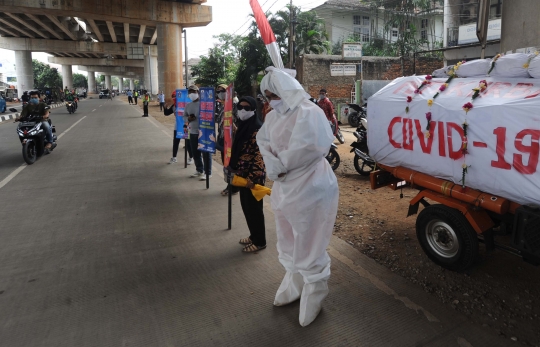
(41, 109)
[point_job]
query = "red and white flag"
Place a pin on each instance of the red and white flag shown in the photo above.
(267, 34)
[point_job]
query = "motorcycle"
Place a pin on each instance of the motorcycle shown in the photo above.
(32, 136)
(358, 113)
(335, 130)
(363, 163)
(333, 157)
(70, 105)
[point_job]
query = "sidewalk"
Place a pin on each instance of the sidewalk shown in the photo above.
(133, 252)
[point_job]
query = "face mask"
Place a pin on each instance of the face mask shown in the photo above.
(244, 115)
(193, 96)
(322, 96)
(222, 95)
(275, 103)
(34, 101)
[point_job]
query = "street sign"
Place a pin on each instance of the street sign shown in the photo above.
(337, 70)
(352, 50)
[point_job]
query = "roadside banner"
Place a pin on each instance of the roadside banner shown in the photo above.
(488, 142)
(181, 101)
(228, 125)
(207, 127)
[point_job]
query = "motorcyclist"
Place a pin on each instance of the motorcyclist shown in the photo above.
(25, 97)
(41, 109)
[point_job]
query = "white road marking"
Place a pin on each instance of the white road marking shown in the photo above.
(12, 175)
(93, 110)
(71, 127)
(20, 168)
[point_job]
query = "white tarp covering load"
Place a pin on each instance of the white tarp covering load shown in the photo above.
(503, 133)
(474, 68)
(512, 66)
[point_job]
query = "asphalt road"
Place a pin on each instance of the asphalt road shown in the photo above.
(102, 243)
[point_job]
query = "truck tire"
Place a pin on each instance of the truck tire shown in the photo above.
(447, 238)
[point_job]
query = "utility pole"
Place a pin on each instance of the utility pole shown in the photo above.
(291, 37)
(186, 58)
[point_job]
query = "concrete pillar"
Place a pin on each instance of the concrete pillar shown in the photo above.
(131, 84)
(170, 55)
(91, 82)
(108, 83)
(121, 87)
(67, 77)
(25, 73)
(151, 73)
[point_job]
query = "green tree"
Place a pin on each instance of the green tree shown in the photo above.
(80, 80)
(220, 66)
(45, 76)
(311, 35)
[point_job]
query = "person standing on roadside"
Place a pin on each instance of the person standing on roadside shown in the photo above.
(294, 141)
(161, 99)
(247, 162)
(146, 101)
(326, 105)
(203, 164)
(135, 96)
(130, 97)
(167, 111)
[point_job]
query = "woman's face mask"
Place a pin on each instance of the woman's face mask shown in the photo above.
(34, 101)
(245, 115)
(193, 96)
(222, 95)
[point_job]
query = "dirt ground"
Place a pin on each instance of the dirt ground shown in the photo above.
(501, 292)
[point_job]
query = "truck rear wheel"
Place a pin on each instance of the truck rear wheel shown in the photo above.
(446, 237)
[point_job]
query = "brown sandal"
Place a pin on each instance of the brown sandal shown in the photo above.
(252, 248)
(245, 241)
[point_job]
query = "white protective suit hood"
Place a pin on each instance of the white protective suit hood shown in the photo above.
(285, 86)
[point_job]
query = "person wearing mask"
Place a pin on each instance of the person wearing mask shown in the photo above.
(40, 108)
(294, 141)
(192, 111)
(135, 96)
(146, 101)
(235, 99)
(326, 105)
(247, 162)
(161, 99)
(221, 93)
(130, 97)
(167, 111)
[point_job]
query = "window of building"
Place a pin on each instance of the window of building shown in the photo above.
(394, 32)
(424, 24)
(361, 27)
(423, 34)
(495, 9)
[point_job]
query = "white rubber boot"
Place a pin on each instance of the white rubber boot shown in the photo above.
(290, 289)
(313, 295)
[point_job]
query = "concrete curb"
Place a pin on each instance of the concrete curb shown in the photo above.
(13, 115)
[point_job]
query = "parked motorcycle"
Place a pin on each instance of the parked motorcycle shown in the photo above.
(32, 136)
(358, 113)
(335, 130)
(70, 105)
(333, 157)
(363, 163)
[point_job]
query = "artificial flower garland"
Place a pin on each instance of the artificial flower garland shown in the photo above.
(493, 63)
(482, 86)
(418, 90)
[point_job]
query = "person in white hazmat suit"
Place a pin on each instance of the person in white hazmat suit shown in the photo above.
(294, 141)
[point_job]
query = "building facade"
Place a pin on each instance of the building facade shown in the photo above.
(351, 18)
(460, 41)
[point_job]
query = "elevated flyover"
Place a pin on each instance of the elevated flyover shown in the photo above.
(147, 31)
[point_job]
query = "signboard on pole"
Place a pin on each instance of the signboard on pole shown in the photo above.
(207, 128)
(181, 101)
(352, 50)
(342, 70)
(228, 125)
